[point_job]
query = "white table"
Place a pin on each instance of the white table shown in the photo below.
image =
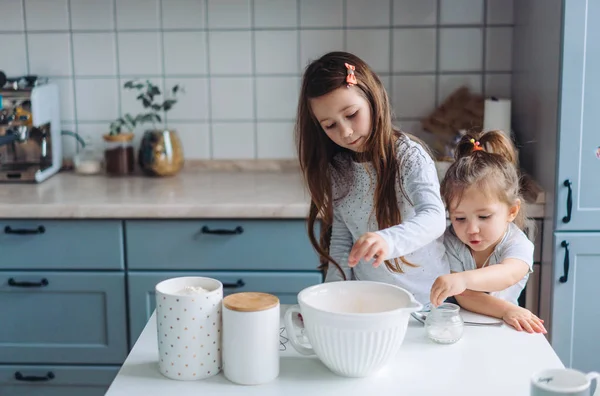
(491, 360)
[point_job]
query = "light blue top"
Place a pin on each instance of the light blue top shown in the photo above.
(514, 244)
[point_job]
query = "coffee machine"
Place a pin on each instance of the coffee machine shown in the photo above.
(30, 130)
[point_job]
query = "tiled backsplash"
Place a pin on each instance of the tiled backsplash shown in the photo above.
(240, 61)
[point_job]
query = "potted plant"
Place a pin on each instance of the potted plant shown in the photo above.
(160, 152)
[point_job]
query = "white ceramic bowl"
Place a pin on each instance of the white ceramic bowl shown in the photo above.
(354, 327)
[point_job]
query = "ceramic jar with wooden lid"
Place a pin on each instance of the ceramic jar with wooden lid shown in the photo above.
(251, 325)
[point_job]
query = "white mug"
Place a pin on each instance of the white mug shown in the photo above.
(188, 320)
(562, 382)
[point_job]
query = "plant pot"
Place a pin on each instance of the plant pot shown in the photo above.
(160, 153)
(119, 154)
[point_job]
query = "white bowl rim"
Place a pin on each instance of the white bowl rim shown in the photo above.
(417, 305)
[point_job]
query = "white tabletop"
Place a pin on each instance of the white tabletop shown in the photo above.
(488, 360)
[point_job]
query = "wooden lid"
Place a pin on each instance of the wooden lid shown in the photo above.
(120, 137)
(250, 301)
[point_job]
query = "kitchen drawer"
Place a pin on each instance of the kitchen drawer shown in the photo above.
(66, 318)
(53, 244)
(284, 285)
(280, 245)
(56, 380)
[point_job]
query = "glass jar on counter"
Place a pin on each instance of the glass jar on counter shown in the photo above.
(119, 154)
(89, 160)
(444, 324)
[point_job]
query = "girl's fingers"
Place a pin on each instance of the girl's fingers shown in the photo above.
(371, 252)
(515, 323)
(379, 259)
(526, 325)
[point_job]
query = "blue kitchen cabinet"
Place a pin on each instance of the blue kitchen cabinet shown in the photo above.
(256, 245)
(284, 285)
(578, 171)
(63, 329)
(576, 323)
(62, 317)
(61, 245)
(50, 380)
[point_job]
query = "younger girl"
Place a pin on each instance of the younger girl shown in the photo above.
(485, 246)
(375, 190)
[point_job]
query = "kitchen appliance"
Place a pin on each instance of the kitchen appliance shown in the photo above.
(30, 130)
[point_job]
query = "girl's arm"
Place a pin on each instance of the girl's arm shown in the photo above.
(339, 248)
(420, 181)
(516, 260)
(489, 279)
(495, 277)
(518, 317)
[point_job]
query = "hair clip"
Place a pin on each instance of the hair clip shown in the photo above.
(350, 76)
(476, 145)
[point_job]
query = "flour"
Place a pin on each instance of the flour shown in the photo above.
(192, 290)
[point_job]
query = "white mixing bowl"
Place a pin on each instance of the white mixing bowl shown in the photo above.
(354, 327)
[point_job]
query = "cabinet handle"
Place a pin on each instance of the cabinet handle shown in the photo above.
(236, 285)
(567, 183)
(34, 378)
(236, 231)
(565, 277)
(39, 230)
(42, 283)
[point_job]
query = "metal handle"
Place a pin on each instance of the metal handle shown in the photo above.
(14, 283)
(6, 139)
(236, 285)
(567, 183)
(10, 230)
(236, 231)
(34, 378)
(565, 277)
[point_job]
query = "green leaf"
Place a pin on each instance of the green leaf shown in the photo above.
(175, 89)
(130, 120)
(128, 84)
(146, 103)
(156, 107)
(168, 104)
(158, 118)
(154, 90)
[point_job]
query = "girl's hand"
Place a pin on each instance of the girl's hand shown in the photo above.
(369, 245)
(522, 319)
(447, 286)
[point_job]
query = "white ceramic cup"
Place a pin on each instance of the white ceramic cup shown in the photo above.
(562, 382)
(354, 327)
(189, 328)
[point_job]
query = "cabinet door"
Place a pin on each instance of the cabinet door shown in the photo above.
(579, 138)
(217, 245)
(56, 380)
(62, 317)
(61, 244)
(285, 285)
(576, 313)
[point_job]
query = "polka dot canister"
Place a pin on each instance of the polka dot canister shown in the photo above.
(188, 315)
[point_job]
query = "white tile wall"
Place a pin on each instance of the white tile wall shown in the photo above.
(240, 61)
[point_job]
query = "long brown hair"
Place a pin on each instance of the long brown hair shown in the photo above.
(323, 162)
(494, 169)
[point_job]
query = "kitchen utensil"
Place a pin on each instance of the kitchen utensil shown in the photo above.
(188, 315)
(251, 338)
(354, 327)
(557, 382)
